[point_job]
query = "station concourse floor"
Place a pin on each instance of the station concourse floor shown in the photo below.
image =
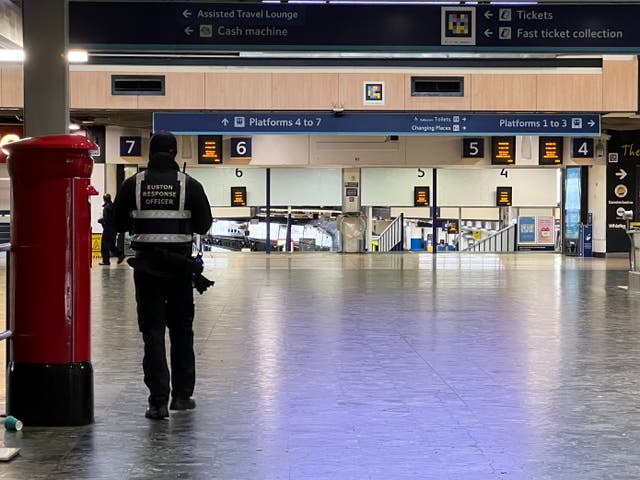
(376, 366)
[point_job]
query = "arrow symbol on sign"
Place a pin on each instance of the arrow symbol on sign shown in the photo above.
(188, 30)
(621, 174)
(225, 122)
(186, 13)
(488, 15)
(591, 123)
(488, 33)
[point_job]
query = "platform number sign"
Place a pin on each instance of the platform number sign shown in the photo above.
(130, 146)
(473, 148)
(582, 148)
(240, 148)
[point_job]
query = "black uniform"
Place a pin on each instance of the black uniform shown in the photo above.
(162, 207)
(108, 243)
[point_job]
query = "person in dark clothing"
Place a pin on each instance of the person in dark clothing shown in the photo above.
(108, 242)
(162, 207)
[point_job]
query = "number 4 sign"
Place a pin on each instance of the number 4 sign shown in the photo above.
(240, 148)
(582, 148)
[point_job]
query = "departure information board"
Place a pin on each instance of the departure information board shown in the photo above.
(420, 196)
(209, 149)
(504, 196)
(503, 150)
(550, 151)
(238, 196)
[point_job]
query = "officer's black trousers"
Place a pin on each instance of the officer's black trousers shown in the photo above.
(166, 302)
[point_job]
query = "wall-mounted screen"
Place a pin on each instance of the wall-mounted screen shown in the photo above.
(238, 196)
(503, 150)
(420, 196)
(209, 149)
(504, 196)
(550, 151)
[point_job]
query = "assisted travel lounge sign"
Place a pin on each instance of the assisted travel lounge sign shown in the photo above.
(336, 27)
(316, 123)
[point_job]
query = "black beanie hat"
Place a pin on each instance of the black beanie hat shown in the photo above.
(163, 142)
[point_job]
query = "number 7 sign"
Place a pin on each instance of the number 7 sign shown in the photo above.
(130, 146)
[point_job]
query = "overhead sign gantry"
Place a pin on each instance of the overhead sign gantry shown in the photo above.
(378, 123)
(340, 27)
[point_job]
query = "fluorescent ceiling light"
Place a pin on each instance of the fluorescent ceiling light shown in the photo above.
(17, 56)
(74, 126)
(78, 56)
(11, 55)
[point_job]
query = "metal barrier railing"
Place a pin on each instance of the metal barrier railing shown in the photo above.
(392, 237)
(502, 241)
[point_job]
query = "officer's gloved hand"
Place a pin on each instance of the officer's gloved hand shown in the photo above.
(199, 281)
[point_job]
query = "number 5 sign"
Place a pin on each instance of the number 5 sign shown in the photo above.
(240, 148)
(472, 147)
(130, 146)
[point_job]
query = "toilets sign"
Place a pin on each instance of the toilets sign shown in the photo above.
(312, 123)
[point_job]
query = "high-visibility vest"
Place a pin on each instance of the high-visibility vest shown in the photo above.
(160, 216)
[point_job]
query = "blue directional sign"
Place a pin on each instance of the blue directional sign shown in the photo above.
(244, 123)
(339, 27)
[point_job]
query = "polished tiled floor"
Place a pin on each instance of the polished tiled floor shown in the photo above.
(385, 367)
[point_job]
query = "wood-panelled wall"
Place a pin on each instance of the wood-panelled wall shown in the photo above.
(615, 88)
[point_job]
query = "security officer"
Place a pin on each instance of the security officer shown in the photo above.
(162, 207)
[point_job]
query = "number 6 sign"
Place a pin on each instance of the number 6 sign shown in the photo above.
(241, 148)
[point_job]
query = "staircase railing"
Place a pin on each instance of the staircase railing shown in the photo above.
(503, 240)
(392, 237)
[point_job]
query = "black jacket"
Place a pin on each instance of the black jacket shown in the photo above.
(107, 221)
(162, 167)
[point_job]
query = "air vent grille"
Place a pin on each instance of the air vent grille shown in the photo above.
(137, 85)
(437, 86)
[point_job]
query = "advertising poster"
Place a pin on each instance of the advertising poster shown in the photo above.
(526, 229)
(622, 157)
(545, 231)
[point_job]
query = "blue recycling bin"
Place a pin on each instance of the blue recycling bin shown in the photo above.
(416, 244)
(585, 241)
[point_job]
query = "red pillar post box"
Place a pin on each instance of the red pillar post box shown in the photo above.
(50, 377)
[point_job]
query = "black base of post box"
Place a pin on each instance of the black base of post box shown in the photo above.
(50, 394)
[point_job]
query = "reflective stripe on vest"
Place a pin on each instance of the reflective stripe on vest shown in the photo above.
(164, 214)
(160, 238)
(142, 216)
